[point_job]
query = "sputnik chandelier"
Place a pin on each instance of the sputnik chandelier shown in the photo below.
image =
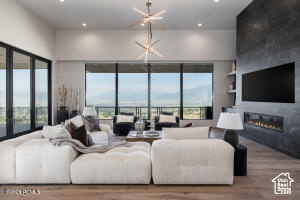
(148, 19)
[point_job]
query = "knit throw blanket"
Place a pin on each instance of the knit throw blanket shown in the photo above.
(96, 148)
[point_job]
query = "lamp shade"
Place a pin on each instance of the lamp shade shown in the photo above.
(89, 111)
(230, 121)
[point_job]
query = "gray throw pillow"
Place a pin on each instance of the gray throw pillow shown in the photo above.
(91, 124)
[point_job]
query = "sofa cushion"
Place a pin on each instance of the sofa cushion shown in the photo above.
(77, 121)
(54, 132)
(185, 133)
(192, 161)
(120, 165)
(125, 119)
(167, 119)
(99, 137)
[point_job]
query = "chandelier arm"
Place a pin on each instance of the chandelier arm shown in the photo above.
(139, 21)
(137, 10)
(155, 52)
(146, 57)
(140, 45)
(142, 55)
(158, 25)
(154, 43)
(160, 13)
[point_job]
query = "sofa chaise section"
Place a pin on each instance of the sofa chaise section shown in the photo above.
(192, 161)
(120, 165)
(40, 162)
(8, 156)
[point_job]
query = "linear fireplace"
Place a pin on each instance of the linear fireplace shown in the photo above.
(274, 123)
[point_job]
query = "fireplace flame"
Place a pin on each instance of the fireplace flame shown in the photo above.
(264, 125)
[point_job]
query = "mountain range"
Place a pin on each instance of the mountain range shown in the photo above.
(200, 96)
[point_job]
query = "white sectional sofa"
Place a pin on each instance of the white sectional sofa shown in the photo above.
(30, 159)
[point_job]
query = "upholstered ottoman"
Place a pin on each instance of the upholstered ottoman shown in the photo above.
(120, 165)
(39, 162)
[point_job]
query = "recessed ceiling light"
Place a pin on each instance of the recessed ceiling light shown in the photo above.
(142, 24)
(83, 24)
(61, 0)
(216, 1)
(199, 24)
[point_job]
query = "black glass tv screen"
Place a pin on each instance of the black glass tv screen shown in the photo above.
(276, 84)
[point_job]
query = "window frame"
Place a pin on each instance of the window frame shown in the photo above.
(9, 90)
(149, 88)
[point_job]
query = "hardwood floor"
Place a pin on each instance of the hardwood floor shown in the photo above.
(263, 165)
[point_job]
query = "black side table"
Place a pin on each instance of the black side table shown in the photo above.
(240, 160)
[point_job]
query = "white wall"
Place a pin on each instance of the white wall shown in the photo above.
(75, 47)
(175, 45)
(24, 30)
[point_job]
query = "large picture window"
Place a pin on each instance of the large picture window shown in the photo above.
(100, 89)
(165, 88)
(197, 90)
(148, 89)
(133, 89)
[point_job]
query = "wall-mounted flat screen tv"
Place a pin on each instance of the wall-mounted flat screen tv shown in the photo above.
(276, 84)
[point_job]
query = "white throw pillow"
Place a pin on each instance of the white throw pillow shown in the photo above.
(185, 133)
(54, 132)
(77, 121)
(125, 118)
(99, 137)
(167, 119)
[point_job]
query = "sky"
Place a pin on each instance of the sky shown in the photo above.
(21, 85)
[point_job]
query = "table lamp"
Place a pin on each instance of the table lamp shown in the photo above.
(230, 122)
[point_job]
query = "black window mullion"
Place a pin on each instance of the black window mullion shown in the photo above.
(32, 91)
(181, 91)
(49, 93)
(9, 93)
(117, 89)
(149, 91)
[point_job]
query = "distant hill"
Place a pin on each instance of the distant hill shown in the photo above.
(195, 96)
(22, 98)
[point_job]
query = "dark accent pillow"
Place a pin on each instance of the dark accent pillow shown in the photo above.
(79, 133)
(91, 124)
(126, 113)
(189, 125)
(166, 113)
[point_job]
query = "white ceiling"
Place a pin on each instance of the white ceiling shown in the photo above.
(118, 14)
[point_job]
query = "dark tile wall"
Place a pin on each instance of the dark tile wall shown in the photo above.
(268, 35)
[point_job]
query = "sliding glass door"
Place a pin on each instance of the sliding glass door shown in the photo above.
(41, 93)
(2, 92)
(25, 98)
(21, 93)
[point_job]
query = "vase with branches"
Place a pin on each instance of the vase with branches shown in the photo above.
(62, 110)
(75, 102)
